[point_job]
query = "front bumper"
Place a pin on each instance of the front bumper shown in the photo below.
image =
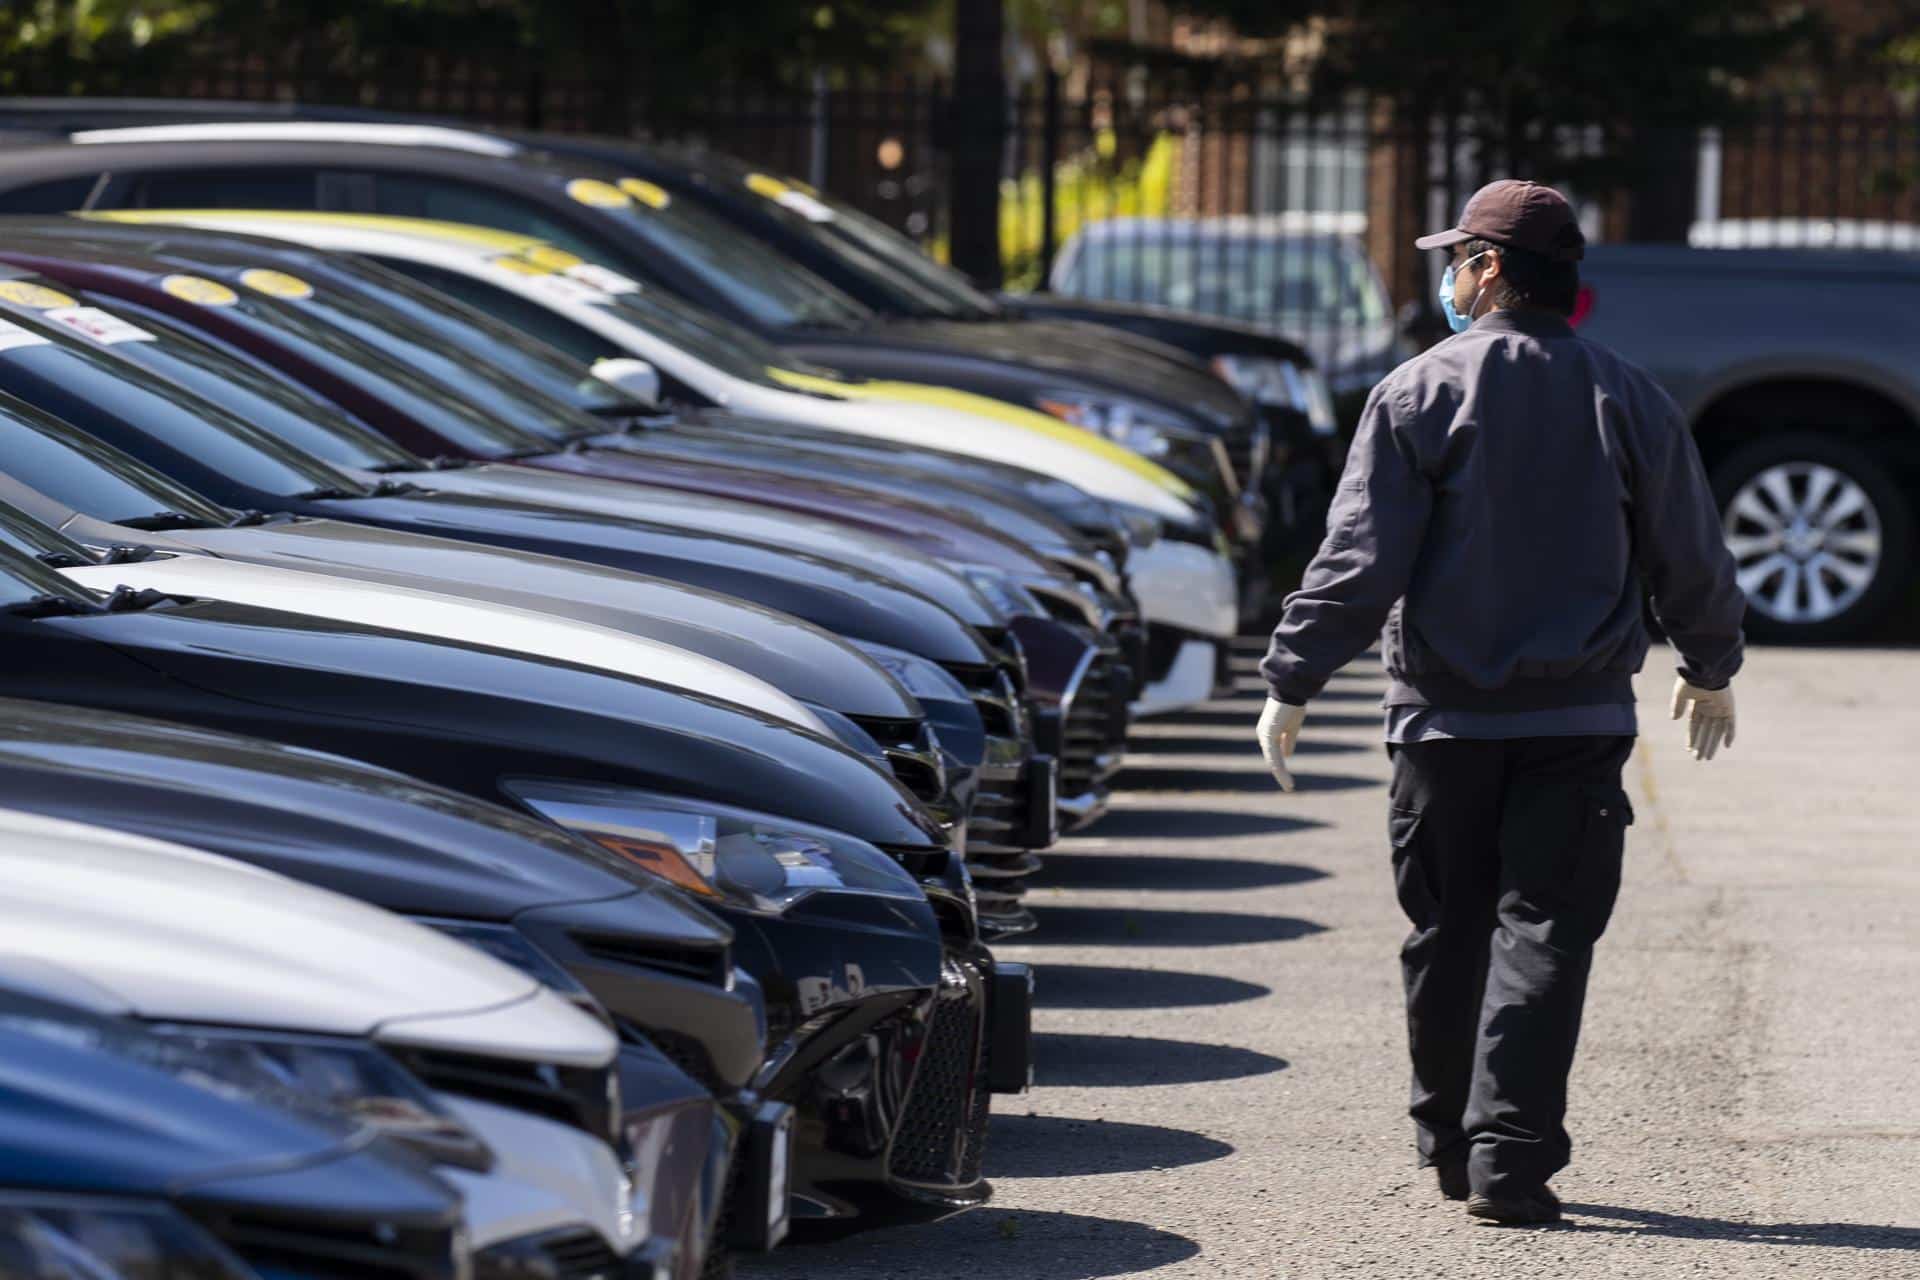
(1187, 587)
(1183, 671)
(909, 1100)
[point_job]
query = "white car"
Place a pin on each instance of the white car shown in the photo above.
(351, 1008)
(1182, 586)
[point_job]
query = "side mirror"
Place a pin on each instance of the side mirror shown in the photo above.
(635, 377)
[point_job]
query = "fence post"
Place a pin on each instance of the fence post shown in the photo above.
(1049, 162)
(979, 128)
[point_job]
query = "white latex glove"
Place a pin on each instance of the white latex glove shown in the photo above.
(1278, 730)
(1709, 715)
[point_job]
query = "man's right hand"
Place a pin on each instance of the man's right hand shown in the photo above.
(1709, 715)
(1278, 730)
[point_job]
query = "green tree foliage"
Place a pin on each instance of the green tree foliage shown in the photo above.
(1518, 77)
(665, 51)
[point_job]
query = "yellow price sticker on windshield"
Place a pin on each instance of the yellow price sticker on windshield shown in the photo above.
(199, 289)
(597, 194)
(275, 284)
(520, 266)
(25, 293)
(651, 194)
(551, 259)
(762, 184)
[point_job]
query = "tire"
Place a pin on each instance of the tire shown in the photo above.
(1821, 531)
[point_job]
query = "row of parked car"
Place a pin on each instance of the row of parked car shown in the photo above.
(536, 671)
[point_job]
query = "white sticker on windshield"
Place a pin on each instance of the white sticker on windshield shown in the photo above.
(567, 289)
(13, 335)
(102, 327)
(601, 278)
(804, 205)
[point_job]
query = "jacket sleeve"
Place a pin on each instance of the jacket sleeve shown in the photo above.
(1681, 550)
(1374, 531)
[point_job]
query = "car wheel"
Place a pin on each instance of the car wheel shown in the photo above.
(1820, 533)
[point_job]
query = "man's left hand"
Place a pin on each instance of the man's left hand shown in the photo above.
(1278, 730)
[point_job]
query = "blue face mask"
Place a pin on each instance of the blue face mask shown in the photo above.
(1455, 321)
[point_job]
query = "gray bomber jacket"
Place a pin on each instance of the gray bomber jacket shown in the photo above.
(1511, 498)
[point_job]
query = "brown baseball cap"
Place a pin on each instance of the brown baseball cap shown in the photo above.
(1517, 215)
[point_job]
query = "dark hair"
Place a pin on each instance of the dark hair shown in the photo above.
(1529, 279)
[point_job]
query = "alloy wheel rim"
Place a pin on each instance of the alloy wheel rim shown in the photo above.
(1806, 541)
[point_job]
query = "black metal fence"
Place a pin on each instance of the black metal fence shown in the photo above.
(1162, 185)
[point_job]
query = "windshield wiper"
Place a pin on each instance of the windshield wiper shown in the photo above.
(167, 520)
(327, 493)
(247, 519)
(50, 606)
(394, 488)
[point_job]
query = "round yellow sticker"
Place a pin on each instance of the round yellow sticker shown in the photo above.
(598, 194)
(545, 255)
(26, 294)
(275, 284)
(208, 293)
(763, 185)
(650, 194)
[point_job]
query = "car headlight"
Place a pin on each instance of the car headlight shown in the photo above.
(344, 1079)
(339, 1084)
(1003, 591)
(62, 1237)
(1273, 381)
(755, 861)
(1121, 421)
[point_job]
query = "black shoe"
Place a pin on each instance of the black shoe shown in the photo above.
(1453, 1180)
(1534, 1208)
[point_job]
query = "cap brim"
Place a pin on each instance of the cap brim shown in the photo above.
(1441, 239)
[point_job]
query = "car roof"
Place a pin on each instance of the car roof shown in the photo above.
(221, 146)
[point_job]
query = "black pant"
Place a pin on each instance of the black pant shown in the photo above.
(1507, 858)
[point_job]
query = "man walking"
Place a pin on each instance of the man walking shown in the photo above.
(1512, 497)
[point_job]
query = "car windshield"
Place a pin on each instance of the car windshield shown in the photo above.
(247, 392)
(1286, 282)
(72, 468)
(467, 374)
(913, 283)
(30, 537)
(125, 405)
(307, 334)
(708, 338)
(475, 335)
(25, 580)
(762, 285)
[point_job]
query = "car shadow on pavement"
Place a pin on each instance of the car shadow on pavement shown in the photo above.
(1831, 1235)
(1063, 1060)
(1186, 824)
(1006, 1244)
(1144, 871)
(1215, 778)
(1150, 927)
(1034, 1146)
(1095, 986)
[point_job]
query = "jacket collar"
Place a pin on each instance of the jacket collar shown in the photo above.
(1528, 320)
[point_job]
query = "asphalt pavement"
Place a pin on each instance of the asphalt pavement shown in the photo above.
(1220, 1044)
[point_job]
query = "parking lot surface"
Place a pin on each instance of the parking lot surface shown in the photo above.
(1220, 1048)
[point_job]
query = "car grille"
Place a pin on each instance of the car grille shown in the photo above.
(685, 1052)
(709, 965)
(302, 1250)
(942, 1136)
(1094, 729)
(579, 1096)
(559, 1255)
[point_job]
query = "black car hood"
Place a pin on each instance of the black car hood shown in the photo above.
(840, 598)
(464, 718)
(362, 831)
(1039, 355)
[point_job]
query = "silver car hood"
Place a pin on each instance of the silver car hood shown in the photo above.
(164, 932)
